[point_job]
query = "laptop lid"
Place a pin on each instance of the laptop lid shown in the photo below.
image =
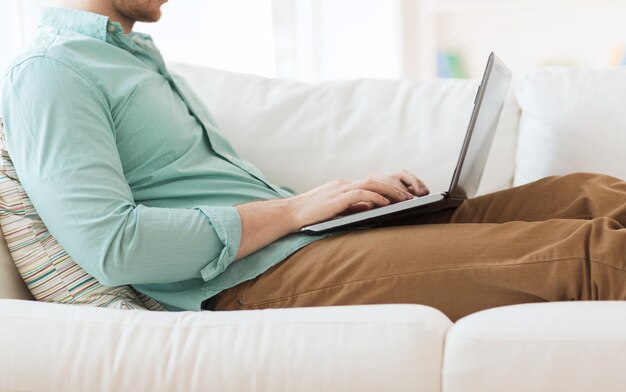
(488, 105)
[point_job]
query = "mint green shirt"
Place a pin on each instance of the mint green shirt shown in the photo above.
(127, 167)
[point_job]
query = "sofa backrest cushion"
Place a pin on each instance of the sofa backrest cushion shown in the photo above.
(303, 135)
(48, 271)
(573, 119)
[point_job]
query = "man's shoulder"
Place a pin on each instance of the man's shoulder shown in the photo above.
(32, 53)
(51, 52)
(56, 48)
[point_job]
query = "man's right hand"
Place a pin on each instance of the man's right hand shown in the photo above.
(341, 197)
(263, 222)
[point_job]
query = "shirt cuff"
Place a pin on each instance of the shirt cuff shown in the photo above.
(227, 225)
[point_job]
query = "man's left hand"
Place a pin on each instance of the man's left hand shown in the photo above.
(402, 179)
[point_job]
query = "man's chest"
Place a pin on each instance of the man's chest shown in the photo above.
(154, 126)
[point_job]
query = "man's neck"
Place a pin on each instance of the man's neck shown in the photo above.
(102, 7)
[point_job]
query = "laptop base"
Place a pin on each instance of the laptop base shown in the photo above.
(393, 219)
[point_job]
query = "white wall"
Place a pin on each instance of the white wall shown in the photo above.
(328, 39)
(236, 35)
(19, 20)
(526, 33)
(337, 39)
(316, 40)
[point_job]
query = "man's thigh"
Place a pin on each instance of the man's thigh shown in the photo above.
(457, 268)
(573, 196)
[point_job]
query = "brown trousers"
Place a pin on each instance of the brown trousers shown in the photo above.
(557, 239)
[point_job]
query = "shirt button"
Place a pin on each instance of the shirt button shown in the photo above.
(111, 29)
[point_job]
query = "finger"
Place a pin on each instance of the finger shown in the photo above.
(361, 195)
(359, 207)
(410, 181)
(417, 186)
(395, 181)
(368, 204)
(391, 192)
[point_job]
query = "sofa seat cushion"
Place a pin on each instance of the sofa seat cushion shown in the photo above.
(48, 271)
(561, 346)
(339, 348)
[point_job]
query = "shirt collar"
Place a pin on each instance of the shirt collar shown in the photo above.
(86, 23)
(96, 26)
(82, 22)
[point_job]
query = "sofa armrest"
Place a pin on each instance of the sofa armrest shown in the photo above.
(63, 347)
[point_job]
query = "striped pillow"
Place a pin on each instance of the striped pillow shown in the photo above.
(49, 272)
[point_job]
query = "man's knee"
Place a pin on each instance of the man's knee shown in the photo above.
(587, 177)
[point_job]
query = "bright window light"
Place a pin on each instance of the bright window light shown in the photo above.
(235, 35)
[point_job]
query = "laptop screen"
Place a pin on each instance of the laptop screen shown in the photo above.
(488, 106)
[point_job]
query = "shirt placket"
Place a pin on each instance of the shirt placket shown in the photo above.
(206, 123)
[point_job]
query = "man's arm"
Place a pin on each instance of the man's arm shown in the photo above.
(62, 140)
(265, 221)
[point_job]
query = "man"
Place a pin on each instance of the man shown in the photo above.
(130, 174)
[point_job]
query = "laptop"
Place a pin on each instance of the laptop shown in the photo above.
(488, 105)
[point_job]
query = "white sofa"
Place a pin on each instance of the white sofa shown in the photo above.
(302, 135)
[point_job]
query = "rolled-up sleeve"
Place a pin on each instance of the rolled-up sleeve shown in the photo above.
(62, 140)
(227, 225)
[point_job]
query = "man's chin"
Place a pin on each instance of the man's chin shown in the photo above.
(151, 17)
